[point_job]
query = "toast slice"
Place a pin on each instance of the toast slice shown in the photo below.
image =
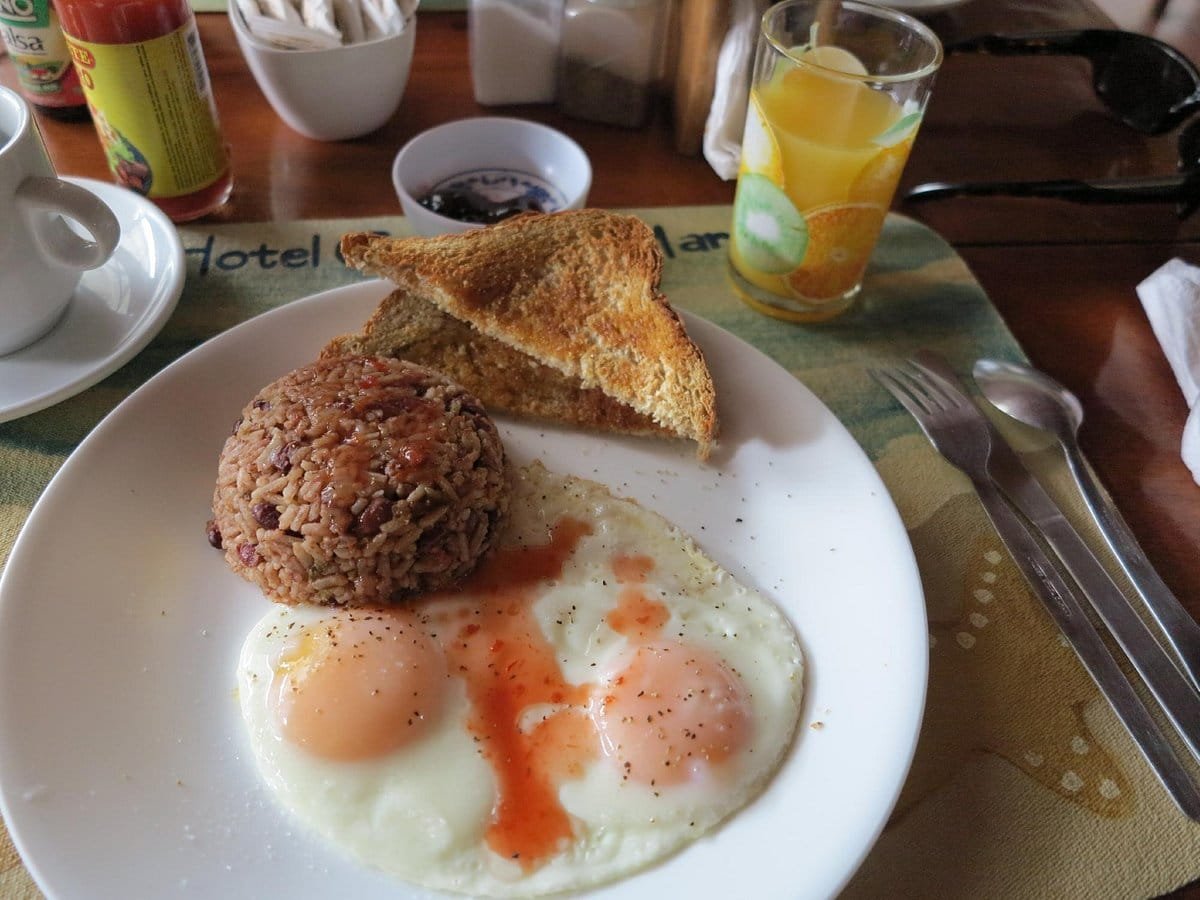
(405, 326)
(576, 291)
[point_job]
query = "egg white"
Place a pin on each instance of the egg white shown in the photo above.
(422, 812)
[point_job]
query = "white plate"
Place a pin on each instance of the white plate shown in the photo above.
(125, 771)
(115, 312)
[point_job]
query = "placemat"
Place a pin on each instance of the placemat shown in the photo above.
(1024, 783)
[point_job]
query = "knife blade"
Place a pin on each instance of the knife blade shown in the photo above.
(1170, 687)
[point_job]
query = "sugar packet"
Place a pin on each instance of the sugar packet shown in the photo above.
(323, 24)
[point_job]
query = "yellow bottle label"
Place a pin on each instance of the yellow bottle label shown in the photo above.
(153, 109)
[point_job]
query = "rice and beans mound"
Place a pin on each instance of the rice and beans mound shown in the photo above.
(356, 481)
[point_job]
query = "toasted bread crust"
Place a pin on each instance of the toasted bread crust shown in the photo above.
(578, 291)
(406, 327)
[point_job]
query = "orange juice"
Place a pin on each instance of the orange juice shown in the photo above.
(821, 157)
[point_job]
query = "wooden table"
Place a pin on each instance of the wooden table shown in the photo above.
(1063, 276)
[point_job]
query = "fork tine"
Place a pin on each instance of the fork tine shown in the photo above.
(893, 381)
(944, 413)
(940, 375)
(930, 400)
(942, 394)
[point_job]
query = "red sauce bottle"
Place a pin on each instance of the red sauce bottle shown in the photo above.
(147, 86)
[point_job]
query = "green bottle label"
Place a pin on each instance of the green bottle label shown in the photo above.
(25, 13)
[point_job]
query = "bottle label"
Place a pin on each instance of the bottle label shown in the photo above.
(39, 53)
(153, 109)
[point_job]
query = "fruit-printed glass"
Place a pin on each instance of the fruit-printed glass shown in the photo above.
(837, 96)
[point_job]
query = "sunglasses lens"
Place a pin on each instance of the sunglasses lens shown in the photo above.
(1142, 83)
(1189, 147)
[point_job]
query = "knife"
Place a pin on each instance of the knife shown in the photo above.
(1166, 682)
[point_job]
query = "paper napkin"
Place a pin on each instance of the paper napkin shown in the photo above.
(1171, 298)
(727, 115)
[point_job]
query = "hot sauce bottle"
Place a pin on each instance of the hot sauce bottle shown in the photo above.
(147, 86)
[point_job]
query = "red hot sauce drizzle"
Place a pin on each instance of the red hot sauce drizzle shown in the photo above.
(494, 642)
(508, 666)
(636, 615)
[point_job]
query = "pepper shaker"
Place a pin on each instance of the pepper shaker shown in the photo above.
(608, 59)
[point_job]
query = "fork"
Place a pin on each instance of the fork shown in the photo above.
(959, 431)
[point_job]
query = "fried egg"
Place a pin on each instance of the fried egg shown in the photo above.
(597, 695)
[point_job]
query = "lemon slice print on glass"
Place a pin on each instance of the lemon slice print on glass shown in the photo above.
(877, 181)
(769, 233)
(760, 149)
(836, 59)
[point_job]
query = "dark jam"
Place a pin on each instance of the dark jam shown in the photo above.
(465, 205)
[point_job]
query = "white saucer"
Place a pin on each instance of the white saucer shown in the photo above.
(117, 309)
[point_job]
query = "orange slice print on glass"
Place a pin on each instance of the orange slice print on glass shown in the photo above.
(840, 241)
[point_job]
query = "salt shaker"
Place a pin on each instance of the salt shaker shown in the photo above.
(608, 59)
(514, 50)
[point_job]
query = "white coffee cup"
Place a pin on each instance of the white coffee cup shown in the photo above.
(41, 257)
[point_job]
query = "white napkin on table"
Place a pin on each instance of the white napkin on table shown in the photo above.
(1171, 297)
(727, 115)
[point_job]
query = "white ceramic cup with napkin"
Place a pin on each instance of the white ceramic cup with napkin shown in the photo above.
(41, 257)
(326, 87)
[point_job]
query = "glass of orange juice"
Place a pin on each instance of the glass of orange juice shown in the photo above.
(838, 91)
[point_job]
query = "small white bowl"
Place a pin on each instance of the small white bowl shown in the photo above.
(335, 94)
(498, 157)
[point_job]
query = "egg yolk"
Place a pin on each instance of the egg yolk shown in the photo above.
(671, 713)
(359, 684)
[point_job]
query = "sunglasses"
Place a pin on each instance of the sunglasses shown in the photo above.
(1146, 84)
